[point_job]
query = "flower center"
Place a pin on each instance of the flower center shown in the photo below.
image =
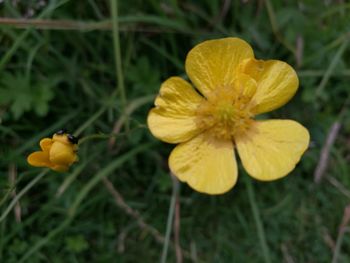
(226, 112)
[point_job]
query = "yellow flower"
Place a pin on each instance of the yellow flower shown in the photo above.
(232, 87)
(58, 153)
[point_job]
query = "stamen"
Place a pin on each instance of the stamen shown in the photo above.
(226, 112)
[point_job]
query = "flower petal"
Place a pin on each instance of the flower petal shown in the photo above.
(207, 164)
(212, 64)
(277, 83)
(60, 168)
(45, 144)
(62, 154)
(173, 120)
(272, 148)
(39, 159)
(245, 85)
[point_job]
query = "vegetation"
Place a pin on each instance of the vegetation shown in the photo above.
(94, 68)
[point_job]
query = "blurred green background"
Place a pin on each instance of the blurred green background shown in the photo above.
(60, 72)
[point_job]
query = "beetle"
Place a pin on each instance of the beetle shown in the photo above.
(71, 138)
(61, 132)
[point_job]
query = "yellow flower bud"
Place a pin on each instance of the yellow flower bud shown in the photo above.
(58, 153)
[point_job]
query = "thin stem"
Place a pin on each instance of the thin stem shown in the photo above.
(12, 180)
(92, 119)
(46, 239)
(331, 67)
(22, 192)
(71, 177)
(8, 55)
(118, 61)
(114, 135)
(96, 136)
(154, 24)
(134, 105)
(120, 202)
(55, 24)
(169, 222)
(342, 230)
(103, 173)
(133, 213)
(338, 245)
(177, 223)
(258, 222)
(274, 26)
(323, 50)
(320, 73)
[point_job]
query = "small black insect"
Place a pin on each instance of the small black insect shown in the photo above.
(72, 139)
(61, 132)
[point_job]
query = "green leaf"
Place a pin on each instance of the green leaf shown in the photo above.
(76, 244)
(41, 97)
(21, 96)
(20, 104)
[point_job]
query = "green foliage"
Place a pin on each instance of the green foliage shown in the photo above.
(143, 76)
(17, 93)
(63, 75)
(76, 243)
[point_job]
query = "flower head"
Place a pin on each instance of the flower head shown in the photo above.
(57, 153)
(232, 87)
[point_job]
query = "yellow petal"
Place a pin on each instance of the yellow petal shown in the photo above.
(60, 168)
(277, 83)
(45, 144)
(61, 138)
(212, 64)
(272, 148)
(62, 154)
(173, 120)
(39, 159)
(208, 165)
(244, 86)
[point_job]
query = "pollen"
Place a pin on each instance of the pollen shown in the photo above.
(226, 112)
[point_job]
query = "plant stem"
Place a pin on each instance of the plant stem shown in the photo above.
(258, 222)
(22, 192)
(331, 67)
(338, 245)
(118, 61)
(170, 221)
(274, 26)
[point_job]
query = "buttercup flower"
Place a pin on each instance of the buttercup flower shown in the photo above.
(232, 87)
(58, 153)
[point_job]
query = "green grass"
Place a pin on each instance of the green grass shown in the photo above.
(67, 73)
